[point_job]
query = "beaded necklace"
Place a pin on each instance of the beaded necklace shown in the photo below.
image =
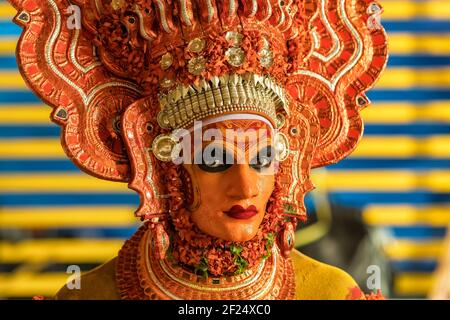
(141, 276)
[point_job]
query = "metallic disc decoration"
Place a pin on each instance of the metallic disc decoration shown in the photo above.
(235, 56)
(166, 61)
(197, 65)
(266, 55)
(234, 38)
(281, 146)
(162, 147)
(266, 58)
(196, 45)
(281, 120)
(166, 83)
(162, 120)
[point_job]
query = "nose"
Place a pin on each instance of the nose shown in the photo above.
(243, 182)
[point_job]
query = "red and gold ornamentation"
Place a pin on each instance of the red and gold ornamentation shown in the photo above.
(142, 275)
(326, 54)
(121, 81)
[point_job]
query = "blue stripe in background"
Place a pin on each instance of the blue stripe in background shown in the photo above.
(18, 97)
(418, 232)
(8, 28)
(8, 62)
(417, 26)
(362, 199)
(414, 94)
(29, 131)
(414, 129)
(413, 61)
(61, 165)
(418, 61)
(413, 265)
(419, 163)
(351, 199)
(86, 232)
(69, 199)
(37, 165)
(392, 26)
(122, 232)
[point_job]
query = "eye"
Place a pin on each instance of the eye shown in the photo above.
(263, 160)
(215, 163)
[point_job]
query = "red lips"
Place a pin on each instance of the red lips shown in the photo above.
(238, 212)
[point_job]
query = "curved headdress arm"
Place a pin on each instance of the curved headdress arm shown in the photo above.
(348, 55)
(60, 65)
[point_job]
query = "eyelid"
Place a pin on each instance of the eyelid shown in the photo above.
(269, 153)
(257, 165)
(209, 167)
(220, 168)
(222, 157)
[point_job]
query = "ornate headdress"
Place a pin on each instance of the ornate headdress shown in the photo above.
(121, 75)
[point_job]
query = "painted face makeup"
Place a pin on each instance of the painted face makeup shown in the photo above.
(237, 179)
(220, 159)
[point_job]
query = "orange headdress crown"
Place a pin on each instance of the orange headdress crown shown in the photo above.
(164, 42)
(133, 70)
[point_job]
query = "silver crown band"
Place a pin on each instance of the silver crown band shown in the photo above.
(183, 105)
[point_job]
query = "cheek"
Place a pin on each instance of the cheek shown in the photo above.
(266, 185)
(208, 217)
(210, 189)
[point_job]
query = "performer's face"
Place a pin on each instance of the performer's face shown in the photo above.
(234, 180)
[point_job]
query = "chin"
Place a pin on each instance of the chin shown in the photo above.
(235, 233)
(243, 238)
(229, 229)
(240, 233)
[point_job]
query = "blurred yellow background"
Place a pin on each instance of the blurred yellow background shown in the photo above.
(52, 215)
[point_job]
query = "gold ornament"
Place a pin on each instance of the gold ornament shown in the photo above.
(117, 4)
(166, 83)
(281, 146)
(235, 56)
(166, 61)
(196, 45)
(197, 65)
(182, 105)
(266, 55)
(163, 120)
(162, 147)
(234, 38)
(281, 120)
